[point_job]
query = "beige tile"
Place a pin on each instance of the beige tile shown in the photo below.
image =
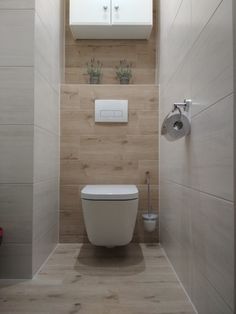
(212, 171)
(43, 246)
(16, 95)
(16, 201)
(46, 105)
(212, 61)
(9, 254)
(201, 12)
(46, 155)
(45, 207)
(196, 172)
(16, 162)
(178, 41)
(199, 226)
(16, 36)
(15, 4)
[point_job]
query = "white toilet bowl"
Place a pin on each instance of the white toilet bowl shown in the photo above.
(110, 213)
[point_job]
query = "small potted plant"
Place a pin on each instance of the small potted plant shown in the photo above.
(124, 72)
(94, 70)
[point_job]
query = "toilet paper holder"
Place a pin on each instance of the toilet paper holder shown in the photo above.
(185, 105)
(179, 125)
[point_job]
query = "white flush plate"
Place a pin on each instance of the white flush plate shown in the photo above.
(112, 111)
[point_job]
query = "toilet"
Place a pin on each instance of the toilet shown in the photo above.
(110, 213)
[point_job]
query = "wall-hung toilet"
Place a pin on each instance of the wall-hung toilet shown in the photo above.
(110, 213)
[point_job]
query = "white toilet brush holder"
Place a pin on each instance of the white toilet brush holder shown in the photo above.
(149, 218)
(150, 222)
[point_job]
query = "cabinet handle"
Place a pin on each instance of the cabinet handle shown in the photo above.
(105, 7)
(116, 7)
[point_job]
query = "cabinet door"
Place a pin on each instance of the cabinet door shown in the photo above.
(90, 12)
(135, 12)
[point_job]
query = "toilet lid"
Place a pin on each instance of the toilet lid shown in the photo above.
(109, 192)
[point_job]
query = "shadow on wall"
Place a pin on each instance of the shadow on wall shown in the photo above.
(118, 261)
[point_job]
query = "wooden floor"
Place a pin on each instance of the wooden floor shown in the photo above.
(79, 278)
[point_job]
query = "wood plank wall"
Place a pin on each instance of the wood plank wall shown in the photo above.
(106, 153)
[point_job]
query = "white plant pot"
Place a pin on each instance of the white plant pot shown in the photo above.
(149, 221)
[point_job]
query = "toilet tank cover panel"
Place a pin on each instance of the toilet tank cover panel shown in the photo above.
(109, 192)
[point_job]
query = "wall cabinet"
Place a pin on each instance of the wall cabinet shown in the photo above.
(90, 12)
(136, 12)
(111, 19)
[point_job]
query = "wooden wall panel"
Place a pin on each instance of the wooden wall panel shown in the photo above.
(106, 153)
(142, 54)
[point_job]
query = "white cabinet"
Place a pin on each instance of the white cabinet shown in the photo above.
(90, 12)
(111, 19)
(126, 12)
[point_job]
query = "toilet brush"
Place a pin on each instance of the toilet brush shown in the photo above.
(149, 218)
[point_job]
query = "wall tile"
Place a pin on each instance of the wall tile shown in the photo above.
(16, 4)
(212, 171)
(178, 41)
(16, 37)
(29, 132)
(168, 12)
(43, 50)
(46, 204)
(46, 155)
(196, 189)
(16, 161)
(48, 61)
(43, 10)
(212, 60)
(16, 95)
(43, 246)
(202, 293)
(180, 87)
(212, 228)
(202, 227)
(9, 254)
(46, 105)
(16, 211)
(201, 14)
(206, 297)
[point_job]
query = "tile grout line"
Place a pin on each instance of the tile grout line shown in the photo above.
(180, 282)
(200, 191)
(45, 262)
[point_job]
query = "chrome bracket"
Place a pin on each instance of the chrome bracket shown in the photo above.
(185, 105)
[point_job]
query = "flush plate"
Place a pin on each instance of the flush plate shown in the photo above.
(111, 111)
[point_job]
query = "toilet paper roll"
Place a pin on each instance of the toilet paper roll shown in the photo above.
(176, 126)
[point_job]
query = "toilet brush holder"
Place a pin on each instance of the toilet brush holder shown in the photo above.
(150, 221)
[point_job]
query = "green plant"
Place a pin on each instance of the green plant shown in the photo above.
(94, 67)
(124, 70)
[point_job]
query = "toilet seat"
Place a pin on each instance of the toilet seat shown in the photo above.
(109, 192)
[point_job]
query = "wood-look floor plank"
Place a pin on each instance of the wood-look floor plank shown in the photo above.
(80, 278)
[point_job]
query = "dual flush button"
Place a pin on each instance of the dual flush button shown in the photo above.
(111, 111)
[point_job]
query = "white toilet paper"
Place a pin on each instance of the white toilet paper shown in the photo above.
(176, 126)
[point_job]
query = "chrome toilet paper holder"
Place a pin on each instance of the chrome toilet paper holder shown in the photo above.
(182, 107)
(185, 105)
